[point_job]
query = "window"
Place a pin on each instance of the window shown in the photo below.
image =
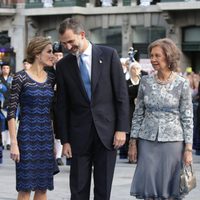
(191, 34)
(143, 36)
(110, 37)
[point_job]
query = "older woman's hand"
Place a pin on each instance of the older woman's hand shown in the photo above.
(132, 151)
(187, 157)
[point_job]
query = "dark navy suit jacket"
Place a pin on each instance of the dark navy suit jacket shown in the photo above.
(109, 105)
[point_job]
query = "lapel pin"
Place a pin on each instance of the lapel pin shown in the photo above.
(100, 61)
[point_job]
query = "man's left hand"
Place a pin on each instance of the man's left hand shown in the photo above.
(119, 139)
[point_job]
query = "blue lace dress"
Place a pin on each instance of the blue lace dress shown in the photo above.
(35, 134)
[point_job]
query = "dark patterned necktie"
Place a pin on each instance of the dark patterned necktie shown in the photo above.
(85, 77)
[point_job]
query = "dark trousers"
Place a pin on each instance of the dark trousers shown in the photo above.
(97, 159)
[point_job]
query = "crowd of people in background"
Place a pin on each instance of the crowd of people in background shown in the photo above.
(6, 78)
(194, 79)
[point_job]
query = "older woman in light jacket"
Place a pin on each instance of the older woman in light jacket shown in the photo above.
(162, 126)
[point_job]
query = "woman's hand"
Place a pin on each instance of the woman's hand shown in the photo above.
(187, 157)
(132, 151)
(14, 152)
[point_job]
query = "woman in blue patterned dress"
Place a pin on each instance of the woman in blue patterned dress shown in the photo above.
(163, 125)
(32, 148)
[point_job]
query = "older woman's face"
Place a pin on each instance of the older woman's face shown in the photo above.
(158, 59)
(135, 71)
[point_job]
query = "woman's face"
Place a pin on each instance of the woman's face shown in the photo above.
(135, 71)
(5, 70)
(46, 57)
(158, 59)
(58, 56)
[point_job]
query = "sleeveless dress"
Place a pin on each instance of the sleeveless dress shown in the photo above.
(35, 134)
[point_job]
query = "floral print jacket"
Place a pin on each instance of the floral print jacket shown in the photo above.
(163, 111)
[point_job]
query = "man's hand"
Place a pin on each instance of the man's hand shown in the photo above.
(119, 139)
(67, 151)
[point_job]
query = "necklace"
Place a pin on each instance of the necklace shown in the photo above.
(135, 82)
(164, 82)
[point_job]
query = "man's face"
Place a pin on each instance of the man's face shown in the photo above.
(73, 42)
(5, 70)
(27, 65)
(58, 56)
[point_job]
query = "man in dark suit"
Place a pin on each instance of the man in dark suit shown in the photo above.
(92, 112)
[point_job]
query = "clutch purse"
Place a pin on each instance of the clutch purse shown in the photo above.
(187, 179)
(56, 169)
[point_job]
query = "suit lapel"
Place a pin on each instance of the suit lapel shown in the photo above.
(97, 66)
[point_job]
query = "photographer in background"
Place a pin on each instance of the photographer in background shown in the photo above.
(26, 64)
(57, 51)
(5, 85)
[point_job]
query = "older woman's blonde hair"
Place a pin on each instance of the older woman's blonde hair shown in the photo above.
(136, 65)
(171, 51)
(35, 47)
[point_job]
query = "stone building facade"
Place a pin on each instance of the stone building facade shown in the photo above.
(123, 24)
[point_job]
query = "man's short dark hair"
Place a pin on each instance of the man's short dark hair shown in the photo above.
(5, 64)
(72, 24)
